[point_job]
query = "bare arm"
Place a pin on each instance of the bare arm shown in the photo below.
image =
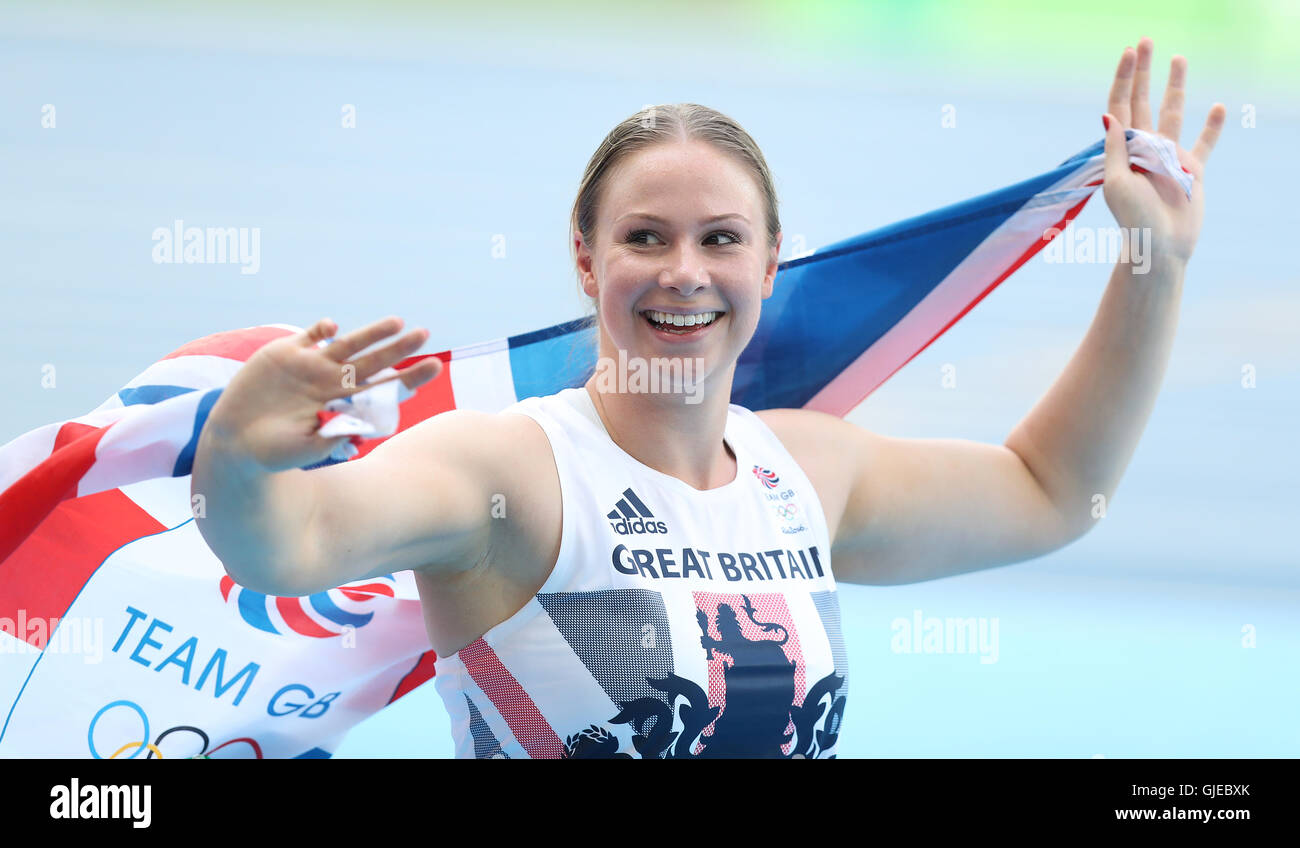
(907, 510)
(250, 517)
(257, 500)
(424, 499)
(428, 499)
(910, 510)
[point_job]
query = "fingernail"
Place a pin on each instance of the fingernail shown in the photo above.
(1184, 167)
(1105, 122)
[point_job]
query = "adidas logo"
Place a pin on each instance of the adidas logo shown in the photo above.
(630, 516)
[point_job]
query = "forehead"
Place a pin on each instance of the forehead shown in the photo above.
(678, 176)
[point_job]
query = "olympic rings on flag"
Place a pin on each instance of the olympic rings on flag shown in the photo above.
(154, 749)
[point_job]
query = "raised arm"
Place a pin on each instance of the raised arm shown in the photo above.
(419, 500)
(908, 510)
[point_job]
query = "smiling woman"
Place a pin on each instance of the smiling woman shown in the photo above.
(662, 582)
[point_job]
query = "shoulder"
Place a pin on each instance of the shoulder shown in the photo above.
(806, 432)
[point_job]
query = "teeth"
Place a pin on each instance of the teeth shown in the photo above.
(697, 319)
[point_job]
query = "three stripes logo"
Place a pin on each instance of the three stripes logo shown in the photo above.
(630, 515)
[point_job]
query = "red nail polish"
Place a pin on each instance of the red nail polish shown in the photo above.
(1105, 122)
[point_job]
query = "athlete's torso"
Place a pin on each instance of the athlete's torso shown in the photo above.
(675, 622)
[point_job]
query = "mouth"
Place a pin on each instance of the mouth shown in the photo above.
(681, 324)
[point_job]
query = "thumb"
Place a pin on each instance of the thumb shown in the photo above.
(1116, 150)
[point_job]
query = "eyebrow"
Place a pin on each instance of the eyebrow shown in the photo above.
(708, 220)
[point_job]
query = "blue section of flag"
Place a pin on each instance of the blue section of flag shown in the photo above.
(827, 308)
(150, 394)
(546, 361)
(185, 459)
(252, 608)
(322, 604)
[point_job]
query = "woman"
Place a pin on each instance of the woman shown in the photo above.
(639, 567)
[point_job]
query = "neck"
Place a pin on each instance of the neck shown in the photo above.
(670, 435)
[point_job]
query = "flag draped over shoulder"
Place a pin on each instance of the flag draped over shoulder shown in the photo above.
(122, 636)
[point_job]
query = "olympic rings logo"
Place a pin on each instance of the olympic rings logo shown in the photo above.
(155, 748)
(786, 511)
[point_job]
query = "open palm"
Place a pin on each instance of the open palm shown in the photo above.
(1150, 201)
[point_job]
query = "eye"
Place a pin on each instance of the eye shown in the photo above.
(632, 237)
(635, 236)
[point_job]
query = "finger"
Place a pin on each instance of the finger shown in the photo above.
(1210, 133)
(348, 345)
(1115, 163)
(377, 360)
(1141, 84)
(1171, 108)
(412, 376)
(1121, 90)
(322, 329)
(420, 373)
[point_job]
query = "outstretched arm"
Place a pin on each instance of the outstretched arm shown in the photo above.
(908, 510)
(1080, 436)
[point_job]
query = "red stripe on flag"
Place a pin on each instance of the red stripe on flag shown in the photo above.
(47, 571)
(422, 672)
(34, 496)
(510, 699)
(232, 344)
(1038, 245)
(298, 621)
(367, 591)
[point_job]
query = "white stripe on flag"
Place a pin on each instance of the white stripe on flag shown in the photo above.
(16, 660)
(166, 499)
(195, 372)
(481, 377)
(25, 453)
(140, 447)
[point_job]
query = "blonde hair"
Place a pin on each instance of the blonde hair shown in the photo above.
(659, 125)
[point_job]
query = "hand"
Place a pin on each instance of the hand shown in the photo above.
(268, 410)
(1153, 201)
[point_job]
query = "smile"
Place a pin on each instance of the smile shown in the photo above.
(670, 322)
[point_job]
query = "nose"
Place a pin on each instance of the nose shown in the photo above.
(687, 272)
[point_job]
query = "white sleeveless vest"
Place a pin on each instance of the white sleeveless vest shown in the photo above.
(676, 622)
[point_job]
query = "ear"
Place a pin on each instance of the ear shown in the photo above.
(769, 274)
(584, 260)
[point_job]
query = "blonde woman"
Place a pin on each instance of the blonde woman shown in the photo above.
(620, 571)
